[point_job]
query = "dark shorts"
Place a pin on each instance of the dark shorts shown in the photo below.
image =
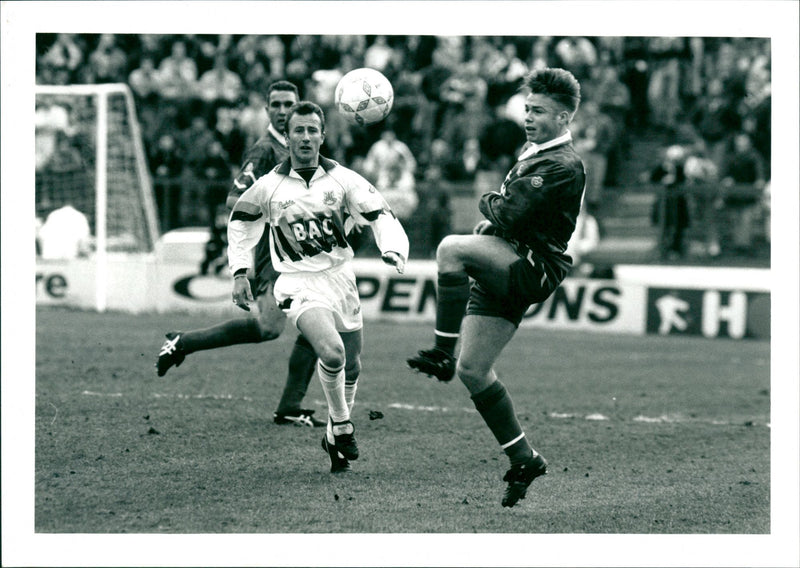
(263, 273)
(531, 281)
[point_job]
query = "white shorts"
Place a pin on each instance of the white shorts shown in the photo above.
(334, 290)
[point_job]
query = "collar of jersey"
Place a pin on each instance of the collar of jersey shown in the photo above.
(534, 148)
(286, 167)
(279, 138)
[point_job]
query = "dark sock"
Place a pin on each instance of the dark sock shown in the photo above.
(451, 301)
(232, 332)
(495, 406)
(302, 363)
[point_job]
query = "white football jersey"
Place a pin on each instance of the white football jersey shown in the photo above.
(308, 222)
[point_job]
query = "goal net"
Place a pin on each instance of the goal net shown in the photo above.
(90, 156)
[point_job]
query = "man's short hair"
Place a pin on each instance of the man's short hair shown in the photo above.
(283, 86)
(305, 108)
(558, 84)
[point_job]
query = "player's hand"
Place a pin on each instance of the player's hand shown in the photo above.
(242, 294)
(395, 260)
(485, 227)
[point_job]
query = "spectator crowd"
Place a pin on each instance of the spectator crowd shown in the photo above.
(457, 113)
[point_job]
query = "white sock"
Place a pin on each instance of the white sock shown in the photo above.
(332, 381)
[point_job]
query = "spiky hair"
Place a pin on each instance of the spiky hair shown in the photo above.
(558, 84)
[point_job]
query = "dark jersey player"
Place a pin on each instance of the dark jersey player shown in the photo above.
(266, 153)
(516, 259)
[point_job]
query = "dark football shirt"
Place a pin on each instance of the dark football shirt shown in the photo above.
(539, 201)
(266, 153)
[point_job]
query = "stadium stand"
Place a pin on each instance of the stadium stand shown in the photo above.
(456, 104)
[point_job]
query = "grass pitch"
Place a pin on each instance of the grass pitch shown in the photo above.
(643, 435)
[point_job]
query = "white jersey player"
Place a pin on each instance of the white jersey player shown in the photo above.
(308, 203)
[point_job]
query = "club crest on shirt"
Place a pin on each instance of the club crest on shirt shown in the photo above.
(537, 181)
(328, 198)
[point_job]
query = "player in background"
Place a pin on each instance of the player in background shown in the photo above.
(266, 153)
(516, 259)
(305, 205)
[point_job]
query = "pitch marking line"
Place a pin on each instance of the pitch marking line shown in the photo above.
(592, 417)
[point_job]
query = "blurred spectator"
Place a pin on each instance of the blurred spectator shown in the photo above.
(501, 141)
(65, 169)
(257, 78)
(397, 185)
(407, 100)
(470, 160)
(756, 109)
(584, 240)
(578, 54)
(702, 180)
(671, 209)
(51, 120)
(65, 234)
(614, 100)
(214, 175)
(716, 119)
(593, 136)
(177, 73)
(194, 142)
(62, 61)
(219, 83)
(540, 53)
(251, 118)
(227, 131)
(166, 163)
(636, 76)
(379, 55)
(743, 184)
(464, 98)
(108, 62)
(664, 87)
(144, 80)
(385, 153)
(429, 116)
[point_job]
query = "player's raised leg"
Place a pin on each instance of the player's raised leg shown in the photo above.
(458, 258)
(268, 325)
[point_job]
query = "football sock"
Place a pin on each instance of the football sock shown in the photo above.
(350, 388)
(333, 386)
(452, 295)
(231, 332)
(302, 363)
(495, 406)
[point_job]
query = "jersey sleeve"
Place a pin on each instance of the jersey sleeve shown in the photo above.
(368, 207)
(258, 161)
(543, 182)
(246, 224)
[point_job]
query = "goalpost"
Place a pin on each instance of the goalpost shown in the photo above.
(90, 155)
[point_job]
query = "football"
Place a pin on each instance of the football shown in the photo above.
(364, 96)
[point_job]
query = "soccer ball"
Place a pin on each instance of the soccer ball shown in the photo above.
(364, 96)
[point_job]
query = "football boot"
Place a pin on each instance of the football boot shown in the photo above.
(344, 440)
(302, 417)
(339, 463)
(519, 477)
(172, 353)
(434, 363)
